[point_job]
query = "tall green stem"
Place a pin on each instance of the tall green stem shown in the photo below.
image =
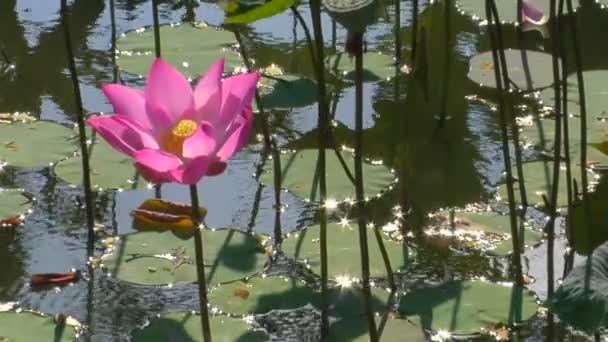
(414, 32)
(493, 22)
(315, 12)
(200, 265)
(156, 28)
(360, 196)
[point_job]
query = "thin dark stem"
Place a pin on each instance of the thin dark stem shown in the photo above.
(315, 12)
(550, 228)
(200, 267)
(82, 135)
(156, 28)
(307, 34)
(115, 72)
(493, 22)
(397, 29)
(414, 32)
(447, 62)
(360, 196)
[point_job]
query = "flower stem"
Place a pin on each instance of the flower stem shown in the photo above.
(362, 220)
(200, 267)
(156, 28)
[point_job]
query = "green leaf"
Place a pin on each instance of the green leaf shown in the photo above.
(601, 146)
(299, 175)
(592, 232)
(35, 144)
(582, 299)
(528, 69)
(260, 295)
(109, 169)
(344, 255)
(290, 91)
(596, 94)
(507, 9)
(355, 15)
(355, 329)
(267, 10)
(28, 326)
(190, 49)
(377, 66)
(143, 258)
(538, 177)
(12, 204)
(465, 307)
(186, 326)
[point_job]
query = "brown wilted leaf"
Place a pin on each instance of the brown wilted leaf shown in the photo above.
(54, 278)
(154, 220)
(241, 292)
(170, 207)
(11, 221)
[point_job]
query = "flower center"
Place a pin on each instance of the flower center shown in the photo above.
(173, 140)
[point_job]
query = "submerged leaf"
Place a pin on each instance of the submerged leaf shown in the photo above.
(582, 299)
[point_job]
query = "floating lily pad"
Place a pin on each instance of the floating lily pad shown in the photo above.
(28, 326)
(186, 326)
(13, 204)
(150, 258)
(507, 9)
(34, 144)
(299, 175)
(584, 307)
(190, 49)
(344, 258)
(349, 301)
(355, 329)
(289, 91)
(260, 295)
(538, 176)
(542, 135)
(465, 307)
(591, 231)
(109, 169)
(376, 66)
(596, 94)
(494, 223)
(528, 70)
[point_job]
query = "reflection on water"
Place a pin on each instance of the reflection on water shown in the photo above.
(443, 145)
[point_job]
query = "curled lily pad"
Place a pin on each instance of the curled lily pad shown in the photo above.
(192, 49)
(466, 307)
(376, 66)
(12, 205)
(495, 226)
(528, 70)
(109, 169)
(343, 254)
(507, 9)
(582, 299)
(260, 295)
(153, 258)
(31, 144)
(299, 175)
(390, 328)
(28, 326)
(538, 177)
(186, 326)
(596, 94)
(238, 12)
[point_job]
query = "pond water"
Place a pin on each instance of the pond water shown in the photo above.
(440, 139)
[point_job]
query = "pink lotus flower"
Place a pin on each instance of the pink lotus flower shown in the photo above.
(533, 14)
(175, 133)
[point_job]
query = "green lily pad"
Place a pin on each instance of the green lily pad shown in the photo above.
(39, 143)
(190, 49)
(465, 307)
(354, 16)
(144, 258)
(538, 176)
(584, 307)
(300, 177)
(349, 301)
(13, 203)
(186, 326)
(542, 135)
(260, 295)
(507, 9)
(290, 91)
(344, 258)
(592, 232)
(596, 94)
(109, 169)
(355, 329)
(376, 66)
(528, 70)
(28, 326)
(494, 223)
